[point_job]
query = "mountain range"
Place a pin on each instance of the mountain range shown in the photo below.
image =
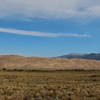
(92, 56)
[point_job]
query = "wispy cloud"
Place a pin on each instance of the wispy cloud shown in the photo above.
(50, 8)
(41, 34)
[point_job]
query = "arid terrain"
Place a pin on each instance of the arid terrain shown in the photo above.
(68, 85)
(35, 78)
(37, 63)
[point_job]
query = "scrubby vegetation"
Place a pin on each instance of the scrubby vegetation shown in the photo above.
(54, 85)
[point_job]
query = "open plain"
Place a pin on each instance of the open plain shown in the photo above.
(49, 85)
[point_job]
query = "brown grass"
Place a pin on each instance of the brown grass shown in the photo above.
(80, 85)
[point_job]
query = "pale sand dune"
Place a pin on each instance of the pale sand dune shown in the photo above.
(33, 63)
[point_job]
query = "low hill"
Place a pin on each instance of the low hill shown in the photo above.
(92, 56)
(38, 63)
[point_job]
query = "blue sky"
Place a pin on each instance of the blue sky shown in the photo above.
(53, 28)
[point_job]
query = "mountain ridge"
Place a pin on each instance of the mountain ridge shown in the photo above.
(91, 56)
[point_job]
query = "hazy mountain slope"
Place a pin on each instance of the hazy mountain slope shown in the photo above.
(94, 56)
(32, 63)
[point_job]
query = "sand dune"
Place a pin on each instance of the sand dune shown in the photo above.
(38, 63)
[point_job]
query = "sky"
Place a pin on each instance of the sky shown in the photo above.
(49, 28)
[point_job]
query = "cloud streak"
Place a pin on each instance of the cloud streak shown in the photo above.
(41, 34)
(62, 9)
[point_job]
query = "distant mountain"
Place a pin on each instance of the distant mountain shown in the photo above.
(13, 62)
(93, 56)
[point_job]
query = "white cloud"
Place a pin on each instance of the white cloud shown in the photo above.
(50, 8)
(41, 34)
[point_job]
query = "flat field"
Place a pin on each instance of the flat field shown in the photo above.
(53, 85)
